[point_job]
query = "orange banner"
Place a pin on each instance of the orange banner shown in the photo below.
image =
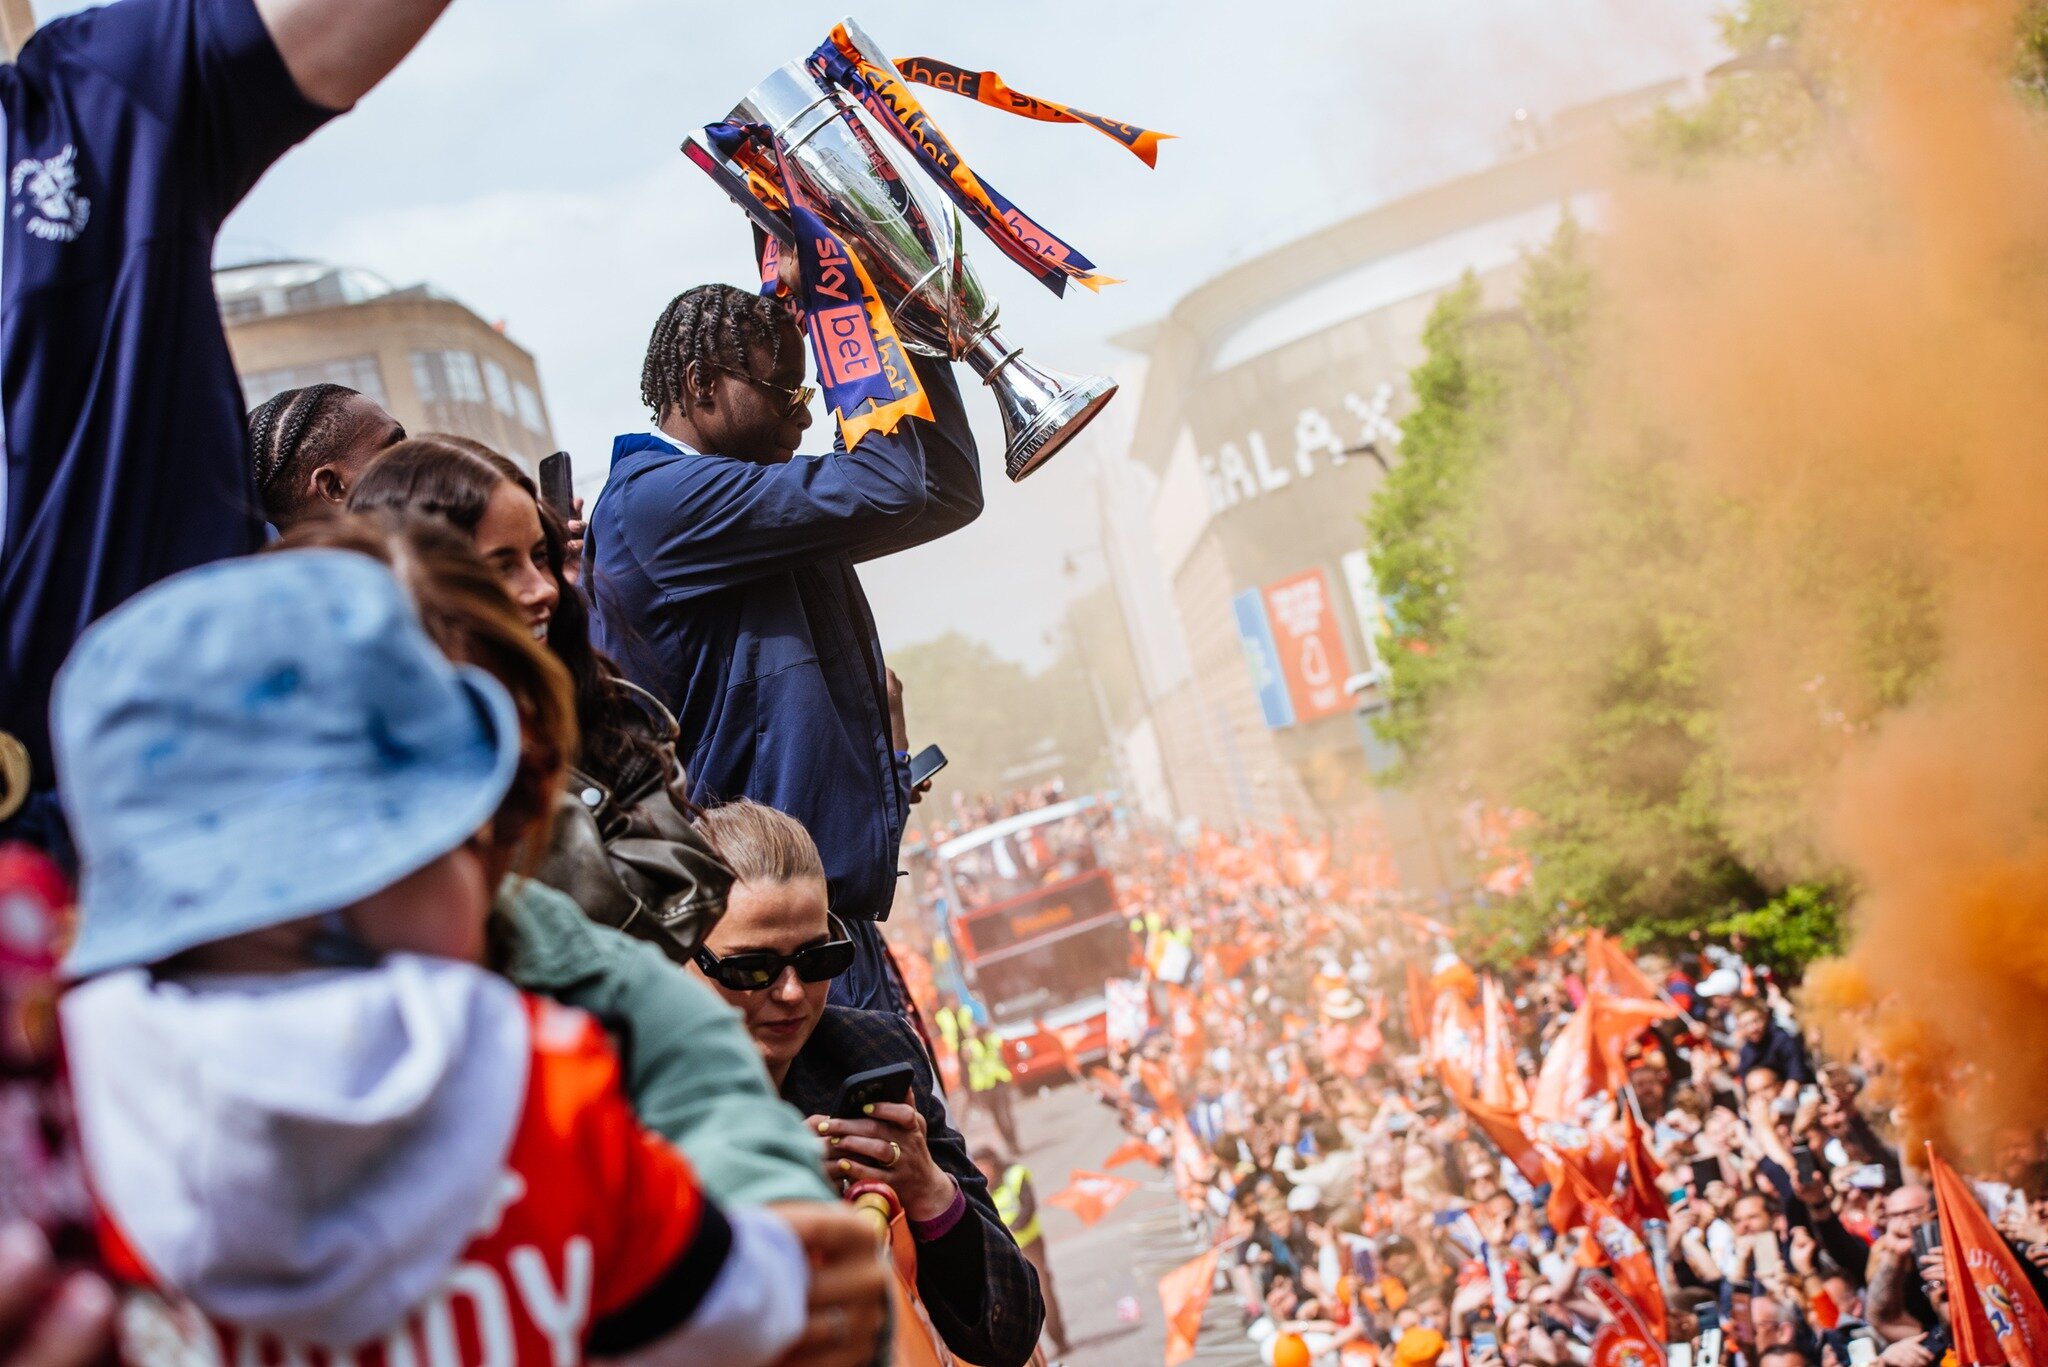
(1092, 1195)
(1996, 1315)
(1184, 1295)
(987, 88)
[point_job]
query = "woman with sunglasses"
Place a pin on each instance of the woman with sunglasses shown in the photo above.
(722, 577)
(773, 956)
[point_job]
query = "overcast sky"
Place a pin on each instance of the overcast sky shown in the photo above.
(524, 160)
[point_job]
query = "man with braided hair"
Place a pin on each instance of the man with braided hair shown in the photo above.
(310, 444)
(724, 583)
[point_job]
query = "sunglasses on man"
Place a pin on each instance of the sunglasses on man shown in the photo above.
(795, 400)
(756, 969)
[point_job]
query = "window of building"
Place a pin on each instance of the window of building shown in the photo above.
(500, 386)
(447, 377)
(359, 373)
(530, 411)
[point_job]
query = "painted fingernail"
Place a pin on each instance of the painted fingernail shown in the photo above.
(824, 1127)
(868, 1109)
(845, 1166)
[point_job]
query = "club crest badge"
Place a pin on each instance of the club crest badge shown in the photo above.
(45, 195)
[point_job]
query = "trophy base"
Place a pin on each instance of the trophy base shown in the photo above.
(1042, 409)
(1054, 428)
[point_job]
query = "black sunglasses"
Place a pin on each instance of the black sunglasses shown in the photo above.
(758, 969)
(797, 399)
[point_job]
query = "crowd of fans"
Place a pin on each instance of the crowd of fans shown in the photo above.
(402, 927)
(1314, 1081)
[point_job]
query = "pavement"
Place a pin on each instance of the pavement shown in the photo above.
(1123, 1256)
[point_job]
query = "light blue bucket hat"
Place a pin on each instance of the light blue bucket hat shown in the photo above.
(263, 740)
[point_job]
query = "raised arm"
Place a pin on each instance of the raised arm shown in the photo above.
(337, 50)
(952, 467)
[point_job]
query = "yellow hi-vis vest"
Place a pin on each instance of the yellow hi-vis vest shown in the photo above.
(949, 1026)
(1009, 1198)
(985, 1067)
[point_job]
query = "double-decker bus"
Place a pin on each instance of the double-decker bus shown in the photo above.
(1034, 921)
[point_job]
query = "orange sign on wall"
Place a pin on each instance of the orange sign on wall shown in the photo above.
(1310, 644)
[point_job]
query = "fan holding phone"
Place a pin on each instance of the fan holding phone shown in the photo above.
(863, 1080)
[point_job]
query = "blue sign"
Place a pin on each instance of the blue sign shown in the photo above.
(1262, 657)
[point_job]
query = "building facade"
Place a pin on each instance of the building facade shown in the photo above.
(1268, 409)
(432, 363)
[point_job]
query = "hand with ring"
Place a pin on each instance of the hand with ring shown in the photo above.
(887, 1145)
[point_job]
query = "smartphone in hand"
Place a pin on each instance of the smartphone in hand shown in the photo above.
(558, 485)
(876, 1085)
(926, 763)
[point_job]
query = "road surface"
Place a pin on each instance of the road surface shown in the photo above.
(1122, 1256)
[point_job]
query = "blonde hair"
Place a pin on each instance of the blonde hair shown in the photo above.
(762, 845)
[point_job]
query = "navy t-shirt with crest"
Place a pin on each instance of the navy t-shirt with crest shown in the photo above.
(130, 133)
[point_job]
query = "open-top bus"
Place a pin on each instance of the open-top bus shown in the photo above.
(1033, 917)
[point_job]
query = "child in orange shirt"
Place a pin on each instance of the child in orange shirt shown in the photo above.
(319, 1130)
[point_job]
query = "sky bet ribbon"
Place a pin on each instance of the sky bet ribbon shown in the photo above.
(867, 379)
(838, 62)
(985, 87)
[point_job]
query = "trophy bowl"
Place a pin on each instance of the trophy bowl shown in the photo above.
(911, 247)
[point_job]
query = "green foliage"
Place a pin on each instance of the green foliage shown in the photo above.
(2030, 64)
(1800, 925)
(1420, 524)
(994, 718)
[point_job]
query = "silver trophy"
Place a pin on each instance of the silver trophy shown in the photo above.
(910, 245)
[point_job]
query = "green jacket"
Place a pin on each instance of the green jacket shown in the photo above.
(691, 1069)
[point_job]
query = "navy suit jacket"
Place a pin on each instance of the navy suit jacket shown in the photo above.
(728, 590)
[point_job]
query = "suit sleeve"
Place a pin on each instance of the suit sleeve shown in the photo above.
(952, 466)
(209, 71)
(701, 524)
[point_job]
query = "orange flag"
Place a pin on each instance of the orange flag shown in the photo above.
(1612, 970)
(1643, 1199)
(1184, 1295)
(1160, 1084)
(1421, 1005)
(1996, 1315)
(1621, 1247)
(1454, 1043)
(1092, 1195)
(1500, 1080)
(1591, 1055)
(1568, 1148)
(1627, 1339)
(1504, 1128)
(1134, 1151)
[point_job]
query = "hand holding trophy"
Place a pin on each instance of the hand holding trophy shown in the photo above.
(801, 149)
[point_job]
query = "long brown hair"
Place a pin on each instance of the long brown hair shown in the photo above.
(467, 613)
(454, 479)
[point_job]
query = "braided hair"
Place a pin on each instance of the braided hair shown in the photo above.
(707, 327)
(286, 433)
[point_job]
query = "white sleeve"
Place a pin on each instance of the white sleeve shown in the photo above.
(755, 1308)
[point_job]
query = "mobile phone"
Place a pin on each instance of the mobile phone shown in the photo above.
(1869, 1177)
(924, 764)
(1705, 1170)
(862, 1090)
(1678, 1355)
(1861, 1351)
(1807, 1163)
(1484, 1341)
(1710, 1347)
(558, 485)
(1926, 1238)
